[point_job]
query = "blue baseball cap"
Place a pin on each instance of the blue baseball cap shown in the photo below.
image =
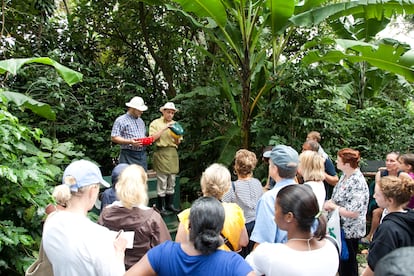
(85, 173)
(117, 171)
(285, 157)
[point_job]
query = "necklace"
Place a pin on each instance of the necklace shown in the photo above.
(307, 241)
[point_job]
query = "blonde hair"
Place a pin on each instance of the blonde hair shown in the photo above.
(312, 166)
(62, 193)
(215, 181)
(132, 187)
(401, 189)
(245, 162)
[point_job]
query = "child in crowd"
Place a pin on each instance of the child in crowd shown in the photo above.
(397, 228)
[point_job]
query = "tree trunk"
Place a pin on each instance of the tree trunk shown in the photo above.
(245, 101)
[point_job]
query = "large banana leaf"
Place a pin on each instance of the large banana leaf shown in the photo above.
(306, 5)
(206, 8)
(280, 12)
(370, 8)
(361, 28)
(386, 56)
(24, 101)
(240, 28)
(12, 66)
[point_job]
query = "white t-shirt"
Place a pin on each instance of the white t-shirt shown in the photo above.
(318, 189)
(77, 246)
(278, 259)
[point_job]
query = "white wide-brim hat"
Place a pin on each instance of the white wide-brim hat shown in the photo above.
(137, 103)
(168, 105)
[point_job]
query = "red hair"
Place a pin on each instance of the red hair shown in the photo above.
(350, 156)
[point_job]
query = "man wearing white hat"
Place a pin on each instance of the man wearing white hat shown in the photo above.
(126, 131)
(165, 159)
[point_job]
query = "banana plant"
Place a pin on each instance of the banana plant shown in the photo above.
(241, 30)
(12, 66)
(367, 59)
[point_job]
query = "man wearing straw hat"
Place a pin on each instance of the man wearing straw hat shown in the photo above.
(165, 159)
(126, 131)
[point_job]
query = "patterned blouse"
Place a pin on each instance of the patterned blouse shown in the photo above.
(353, 195)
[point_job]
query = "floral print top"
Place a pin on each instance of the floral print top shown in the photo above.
(353, 195)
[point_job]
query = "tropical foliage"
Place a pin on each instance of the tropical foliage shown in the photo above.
(244, 73)
(30, 164)
(245, 30)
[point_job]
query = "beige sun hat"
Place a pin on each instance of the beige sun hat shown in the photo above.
(137, 103)
(168, 105)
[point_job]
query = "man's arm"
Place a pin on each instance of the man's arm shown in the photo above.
(123, 141)
(156, 132)
(330, 174)
(331, 180)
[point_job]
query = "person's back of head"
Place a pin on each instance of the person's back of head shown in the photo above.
(350, 156)
(245, 162)
(116, 172)
(311, 165)
(311, 145)
(215, 181)
(286, 159)
(397, 262)
(131, 188)
(78, 177)
(314, 135)
(206, 222)
(301, 201)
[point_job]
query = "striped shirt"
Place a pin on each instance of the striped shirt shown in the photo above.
(246, 194)
(129, 127)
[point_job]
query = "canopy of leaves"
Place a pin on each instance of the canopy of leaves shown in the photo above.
(300, 76)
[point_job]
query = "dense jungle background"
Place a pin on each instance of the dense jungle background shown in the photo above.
(244, 74)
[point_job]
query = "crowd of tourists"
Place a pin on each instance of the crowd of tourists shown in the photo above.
(238, 226)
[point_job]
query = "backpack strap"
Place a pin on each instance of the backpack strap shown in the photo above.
(227, 242)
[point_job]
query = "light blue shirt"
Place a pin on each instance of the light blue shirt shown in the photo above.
(265, 228)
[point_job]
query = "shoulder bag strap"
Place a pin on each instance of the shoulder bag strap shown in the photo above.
(227, 242)
(328, 237)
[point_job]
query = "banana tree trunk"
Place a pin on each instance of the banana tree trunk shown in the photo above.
(245, 101)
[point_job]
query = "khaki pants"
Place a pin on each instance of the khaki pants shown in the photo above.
(165, 184)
